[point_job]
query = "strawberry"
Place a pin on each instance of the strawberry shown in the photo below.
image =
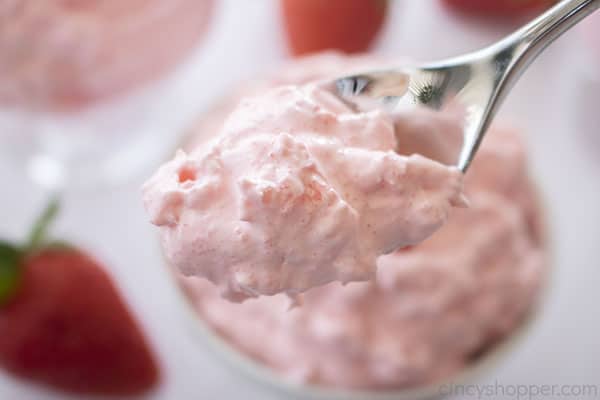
(346, 25)
(63, 323)
(499, 8)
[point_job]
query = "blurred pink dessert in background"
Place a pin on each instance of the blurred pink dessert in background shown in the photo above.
(433, 309)
(297, 191)
(64, 54)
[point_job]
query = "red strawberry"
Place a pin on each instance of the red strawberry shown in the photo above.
(346, 25)
(499, 8)
(63, 323)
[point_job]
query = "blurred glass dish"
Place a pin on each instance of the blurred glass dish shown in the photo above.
(438, 312)
(68, 70)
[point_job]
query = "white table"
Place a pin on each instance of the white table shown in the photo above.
(559, 109)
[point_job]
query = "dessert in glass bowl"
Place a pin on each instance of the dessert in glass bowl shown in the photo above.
(430, 310)
(66, 66)
(65, 54)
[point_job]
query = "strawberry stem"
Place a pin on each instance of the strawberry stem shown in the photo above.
(37, 236)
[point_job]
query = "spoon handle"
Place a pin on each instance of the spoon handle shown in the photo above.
(515, 52)
(511, 56)
(543, 30)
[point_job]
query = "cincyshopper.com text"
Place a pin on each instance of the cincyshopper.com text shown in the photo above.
(519, 392)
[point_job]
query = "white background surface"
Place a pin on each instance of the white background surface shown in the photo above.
(557, 102)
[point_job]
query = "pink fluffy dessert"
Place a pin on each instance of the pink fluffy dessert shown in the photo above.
(432, 309)
(63, 54)
(296, 191)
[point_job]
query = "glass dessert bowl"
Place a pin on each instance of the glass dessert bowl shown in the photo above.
(78, 82)
(437, 312)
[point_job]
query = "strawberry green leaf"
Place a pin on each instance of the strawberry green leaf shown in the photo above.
(10, 271)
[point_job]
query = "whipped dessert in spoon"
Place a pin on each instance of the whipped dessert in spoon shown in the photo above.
(297, 190)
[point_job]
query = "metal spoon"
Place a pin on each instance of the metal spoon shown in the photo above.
(477, 82)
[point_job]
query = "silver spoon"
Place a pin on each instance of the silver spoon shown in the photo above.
(477, 82)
